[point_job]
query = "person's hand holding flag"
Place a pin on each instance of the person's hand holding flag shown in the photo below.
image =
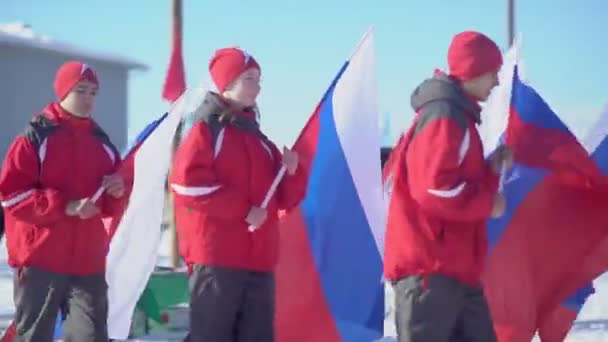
(501, 160)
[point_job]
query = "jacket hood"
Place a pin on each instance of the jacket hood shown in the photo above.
(442, 87)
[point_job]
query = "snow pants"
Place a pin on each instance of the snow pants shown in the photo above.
(39, 296)
(229, 305)
(440, 309)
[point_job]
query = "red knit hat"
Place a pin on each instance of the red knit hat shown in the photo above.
(472, 54)
(229, 63)
(69, 74)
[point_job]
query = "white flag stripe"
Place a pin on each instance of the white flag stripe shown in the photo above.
(134, 247)
(355, 106)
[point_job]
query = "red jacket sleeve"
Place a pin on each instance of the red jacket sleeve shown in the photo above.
(195, 183)
(115, 206)
(434, 160)
(292, 188)
(20, 192)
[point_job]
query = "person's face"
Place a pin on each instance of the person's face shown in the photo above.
(245, 89)
(80, 101)
(481, 87)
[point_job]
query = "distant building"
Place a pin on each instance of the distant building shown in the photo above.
(28, 63)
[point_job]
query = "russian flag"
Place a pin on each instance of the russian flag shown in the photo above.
(556, 326)
(559, 323)
(127, 165)
(596, 261)
(541, 140)
(545, 235)
(136, 234)
(143, 135)
(329, 277)
(134, 247)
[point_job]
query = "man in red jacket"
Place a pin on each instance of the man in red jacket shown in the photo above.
(56, 240)
(443, 193)
(222, 171)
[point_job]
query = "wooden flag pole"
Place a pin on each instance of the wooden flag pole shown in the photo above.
(177, 34)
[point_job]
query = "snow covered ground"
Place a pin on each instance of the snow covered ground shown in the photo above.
(596, 308)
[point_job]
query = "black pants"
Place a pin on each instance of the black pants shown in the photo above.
(228, 305)
(440, 309)
(40, 295)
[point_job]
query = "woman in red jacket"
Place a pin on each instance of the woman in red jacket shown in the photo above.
(56, 239)
(222, 171)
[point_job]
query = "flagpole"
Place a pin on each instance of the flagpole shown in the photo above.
(510, 39)
(176, 17)
(510, 22)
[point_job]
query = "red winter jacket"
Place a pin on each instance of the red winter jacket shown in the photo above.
(443, 189)
(221, 169)
(59, 159)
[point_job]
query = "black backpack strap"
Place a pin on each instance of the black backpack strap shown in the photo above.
(215, 124)
(103, 137)
(215, 127)
(42, 127)
(38, 130)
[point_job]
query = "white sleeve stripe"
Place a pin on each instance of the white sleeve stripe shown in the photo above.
(267, 149)
(218, 143)
(462, 152)
(17, 199)
(451, 193)
(464, 146)
(42, 151)
(194, 191)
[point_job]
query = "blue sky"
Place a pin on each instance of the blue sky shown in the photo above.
(301, 45)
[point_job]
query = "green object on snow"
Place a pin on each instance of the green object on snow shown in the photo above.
(164, 290)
